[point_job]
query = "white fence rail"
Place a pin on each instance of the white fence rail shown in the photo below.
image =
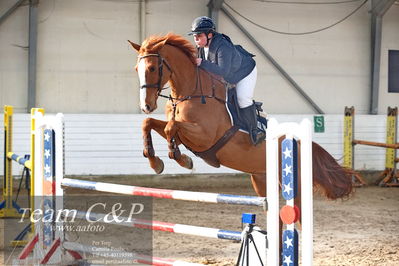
(106, 144)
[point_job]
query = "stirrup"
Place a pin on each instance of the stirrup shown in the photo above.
(258, 138)
(258, 106)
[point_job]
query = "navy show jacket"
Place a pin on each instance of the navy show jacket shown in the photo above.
(225, 59)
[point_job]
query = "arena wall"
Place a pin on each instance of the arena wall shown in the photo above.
(85, 64)
(111, 144)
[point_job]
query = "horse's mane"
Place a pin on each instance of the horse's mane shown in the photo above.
(150, 45)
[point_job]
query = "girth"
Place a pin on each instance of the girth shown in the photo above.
(209, 156)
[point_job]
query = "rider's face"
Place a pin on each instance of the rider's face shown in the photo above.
(200, 39)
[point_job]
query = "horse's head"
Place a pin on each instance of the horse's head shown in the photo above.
(154, 72)
(156, 56)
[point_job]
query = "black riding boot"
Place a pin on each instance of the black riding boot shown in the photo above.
(248, 115)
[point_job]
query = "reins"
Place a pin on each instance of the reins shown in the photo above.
(175, 100)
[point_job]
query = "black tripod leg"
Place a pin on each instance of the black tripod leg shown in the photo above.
(244, 252)
(239, 256)
(247, 249)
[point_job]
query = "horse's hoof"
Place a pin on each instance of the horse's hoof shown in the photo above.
(186, 162)
(190, 163)
(158, 165)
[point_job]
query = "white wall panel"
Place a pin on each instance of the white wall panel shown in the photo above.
(331, 66)
(85, 64)
(84, 60)
(14, 56)
(112, 144)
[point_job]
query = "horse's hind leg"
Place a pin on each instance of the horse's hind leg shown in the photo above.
(259, 184)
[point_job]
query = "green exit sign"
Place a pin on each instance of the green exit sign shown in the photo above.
(318, 124)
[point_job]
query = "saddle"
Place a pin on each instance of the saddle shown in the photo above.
(234, 111)
(209, 156)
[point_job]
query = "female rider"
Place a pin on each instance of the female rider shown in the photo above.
(218, 55)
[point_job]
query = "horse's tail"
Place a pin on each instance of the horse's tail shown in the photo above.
(334, 180)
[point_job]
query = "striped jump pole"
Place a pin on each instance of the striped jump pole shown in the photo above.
(162, 226)
(20, 159)
(164, 193)
(10, 208)
(291, 169)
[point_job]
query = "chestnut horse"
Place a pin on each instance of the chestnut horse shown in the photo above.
(197, 117)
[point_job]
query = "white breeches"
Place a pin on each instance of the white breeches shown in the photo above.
(245, 89)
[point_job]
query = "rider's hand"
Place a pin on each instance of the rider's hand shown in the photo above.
(199, 60)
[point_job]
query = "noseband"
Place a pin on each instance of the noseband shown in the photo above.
(161, 63)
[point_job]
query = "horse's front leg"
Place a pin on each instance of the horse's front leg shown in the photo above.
(174, 152)
(158, 125)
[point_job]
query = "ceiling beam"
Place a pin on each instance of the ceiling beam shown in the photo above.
(378, 9)
(10, 10)
(32, 54)
(213, 10)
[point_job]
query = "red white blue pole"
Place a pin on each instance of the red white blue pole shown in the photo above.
(163, 226)
(164, 193)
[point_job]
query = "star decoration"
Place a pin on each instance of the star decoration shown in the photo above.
(288, 242)
(287, 188)
(47, 136)
(287, 153)
(287, 260)
(47, 169)
(47, 153)
(287, 169)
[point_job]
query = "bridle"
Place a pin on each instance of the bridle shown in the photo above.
(161, 63)
(176, 101)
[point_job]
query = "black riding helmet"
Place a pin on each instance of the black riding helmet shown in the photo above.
(202, 25)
